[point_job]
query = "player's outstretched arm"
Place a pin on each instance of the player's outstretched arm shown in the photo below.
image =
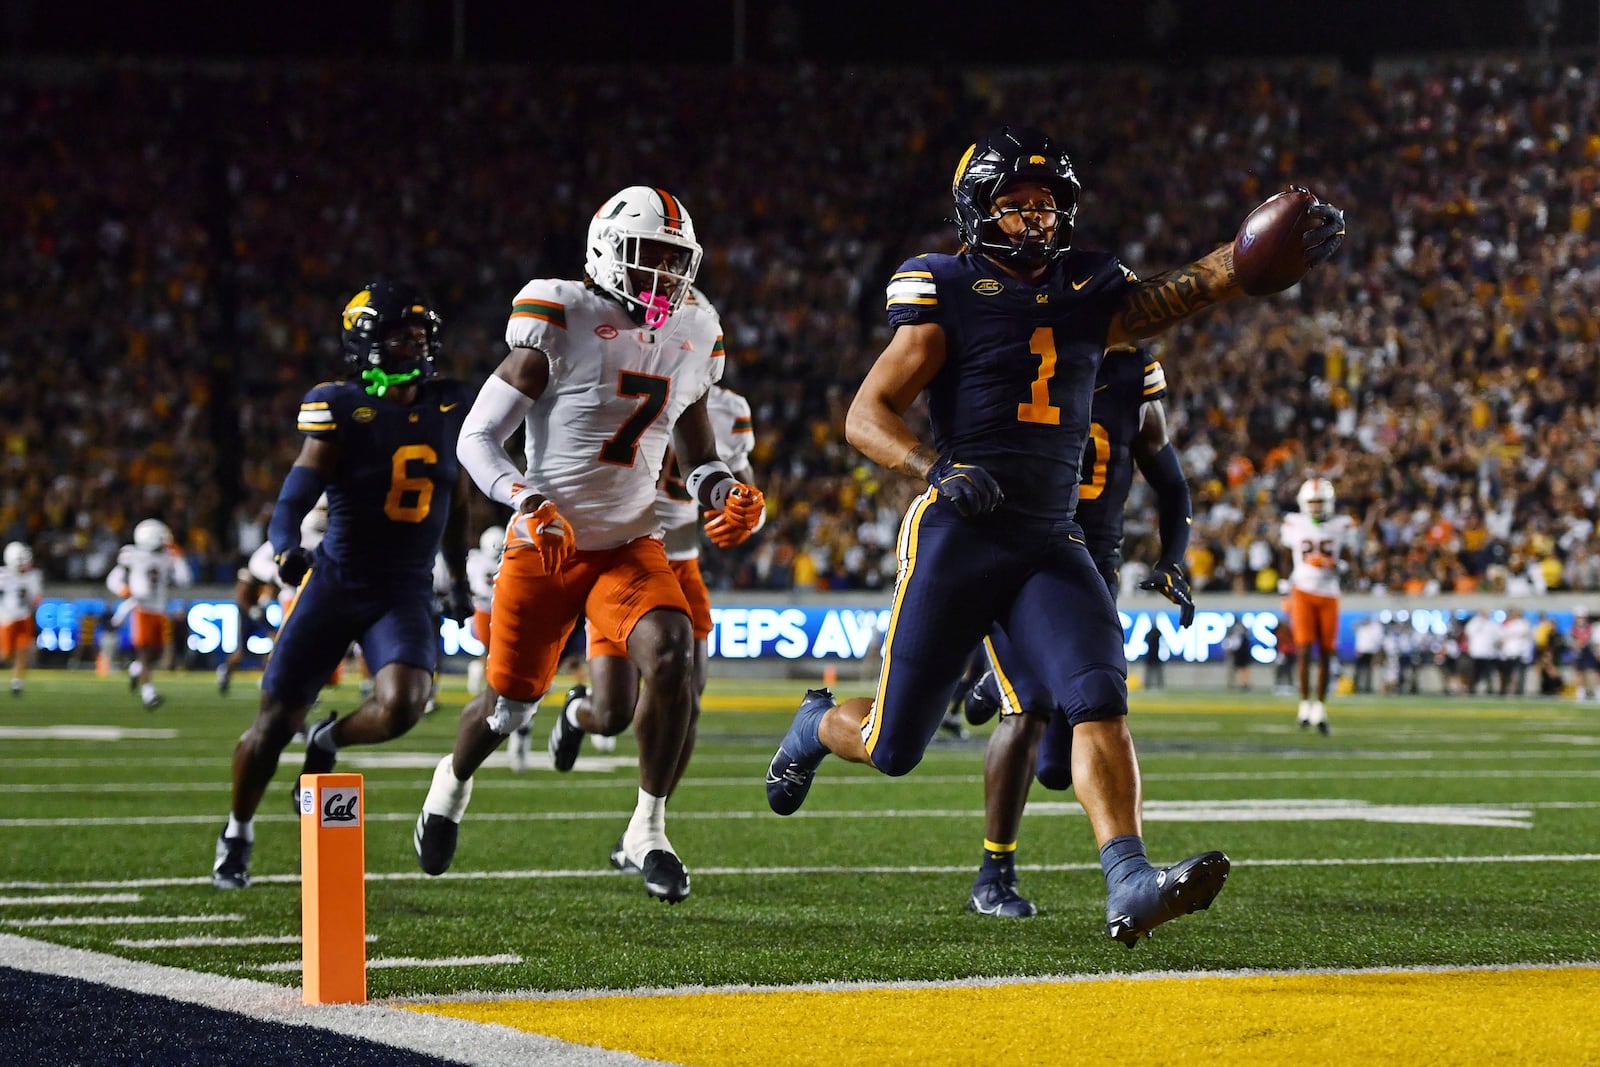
(875, 425)
(1156, 304)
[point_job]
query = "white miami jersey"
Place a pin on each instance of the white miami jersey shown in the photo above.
(735, 435)
(148, 577)
(19, 591)
(597, 436)
(263, 566)
(1316, 547)
(481, 569)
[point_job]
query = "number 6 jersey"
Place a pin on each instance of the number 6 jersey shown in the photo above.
(390, 494)
(1013, 396)
(597, 436)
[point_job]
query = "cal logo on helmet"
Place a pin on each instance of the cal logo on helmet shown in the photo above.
(353, 310)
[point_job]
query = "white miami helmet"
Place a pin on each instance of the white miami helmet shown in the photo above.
(152, 535)
(1316, 499)
(651, 282)
(492, 542)
(19, 556)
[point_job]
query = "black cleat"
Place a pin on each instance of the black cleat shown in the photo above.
(318, 760)
(795, 763)
(993, 896)
(983, 700)
(565, 738)
(620, 860)
(232, 867)
(664, 876)
(435, 842)
(1322, 727)
(1182, 889)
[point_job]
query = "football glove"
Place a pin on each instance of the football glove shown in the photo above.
(971, 489)
(738, 518)
(293, 564)
(1168, 580)
(458, 604)
(546, 532)
(1321, 242)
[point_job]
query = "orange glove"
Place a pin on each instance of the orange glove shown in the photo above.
(546, 532)
(739, 516)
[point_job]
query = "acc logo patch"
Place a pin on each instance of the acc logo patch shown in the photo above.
(363, 414)
(606, 332)
(987, 286)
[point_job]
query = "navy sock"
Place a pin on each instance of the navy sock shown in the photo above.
(1123, 857)
(998, 865)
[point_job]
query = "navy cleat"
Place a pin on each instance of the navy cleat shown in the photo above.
(620, 860)
(1182, 889)
(983, 700)
(231, 870)
(795, 764)
(999, 897)
(664, 876)
(435, 842)
(319, 760)
(565, 738)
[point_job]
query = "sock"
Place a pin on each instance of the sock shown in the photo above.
(647, 830)
(1123, 857)
(999, 861)
(448, 795)
(135, 669)
(570, 712)
(246, 829)
(147, 692)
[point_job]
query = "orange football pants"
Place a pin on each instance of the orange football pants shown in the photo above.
(693, 584)
(1314, 619)
(15, 637)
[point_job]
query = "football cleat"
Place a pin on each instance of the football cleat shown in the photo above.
(565, 738)
(16, 687)
(998, 897)
(1319, 717)
(319, 760)
(952, 727)
(224, 678)
(435, 842)
(983, 700)
(231, 870)
(152, 702)
(795, 763)
(1182, 889)
(664, 876)
(1303, 717)
(620, 860)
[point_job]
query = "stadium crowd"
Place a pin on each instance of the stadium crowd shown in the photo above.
(184, 236)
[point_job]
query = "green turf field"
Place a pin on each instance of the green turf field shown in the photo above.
(1425, 831)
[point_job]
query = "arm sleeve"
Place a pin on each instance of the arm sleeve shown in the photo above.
(1165, 476)
(298, 496)
(481, 447)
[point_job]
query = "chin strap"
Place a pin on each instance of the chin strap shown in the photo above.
(380, 381)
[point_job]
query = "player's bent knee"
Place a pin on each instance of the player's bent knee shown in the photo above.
(895, 762)
(1099, 692)
(1053, 775)
(509, 715)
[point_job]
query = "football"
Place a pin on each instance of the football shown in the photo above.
(1267, 254)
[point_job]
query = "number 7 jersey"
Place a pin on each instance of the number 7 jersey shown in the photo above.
(1015, 391)
(597, 436)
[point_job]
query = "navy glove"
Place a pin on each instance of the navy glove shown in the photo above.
(1321, 242)
(971, 489)
(292, 565)
(459, 604)
(1168, 580)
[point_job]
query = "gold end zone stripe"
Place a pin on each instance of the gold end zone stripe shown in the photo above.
(909, 530)
(547, 310)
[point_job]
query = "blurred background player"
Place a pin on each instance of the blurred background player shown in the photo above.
(145, 575)
(608, 708)
(21, 590)
(483, 560)
(380, 443)
(1129, 429)
(600, 375)
(1318, 541)
(257, 586)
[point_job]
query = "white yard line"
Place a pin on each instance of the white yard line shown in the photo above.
(380, 963)
(74, 898)
(214, 942)
(120, 920)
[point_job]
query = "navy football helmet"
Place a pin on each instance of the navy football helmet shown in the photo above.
(1006, 153)
(375, 348)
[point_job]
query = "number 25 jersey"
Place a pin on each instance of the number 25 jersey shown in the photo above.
(1015, 390)
(597, 435)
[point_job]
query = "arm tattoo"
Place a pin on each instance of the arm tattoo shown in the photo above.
(918, 462)
(1156, 304)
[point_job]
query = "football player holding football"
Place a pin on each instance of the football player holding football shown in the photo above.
(381, 444)
(1006, 338)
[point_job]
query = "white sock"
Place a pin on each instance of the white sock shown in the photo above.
(647, 830)
(135, 669)
(147, 692)
(246, 829)
(448, 795)
(570, 713)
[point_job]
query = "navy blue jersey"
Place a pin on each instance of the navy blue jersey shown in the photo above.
(1128, 380)
(1015, 390)
(390, 494)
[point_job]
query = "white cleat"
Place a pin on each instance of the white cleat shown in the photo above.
(1304, 718)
